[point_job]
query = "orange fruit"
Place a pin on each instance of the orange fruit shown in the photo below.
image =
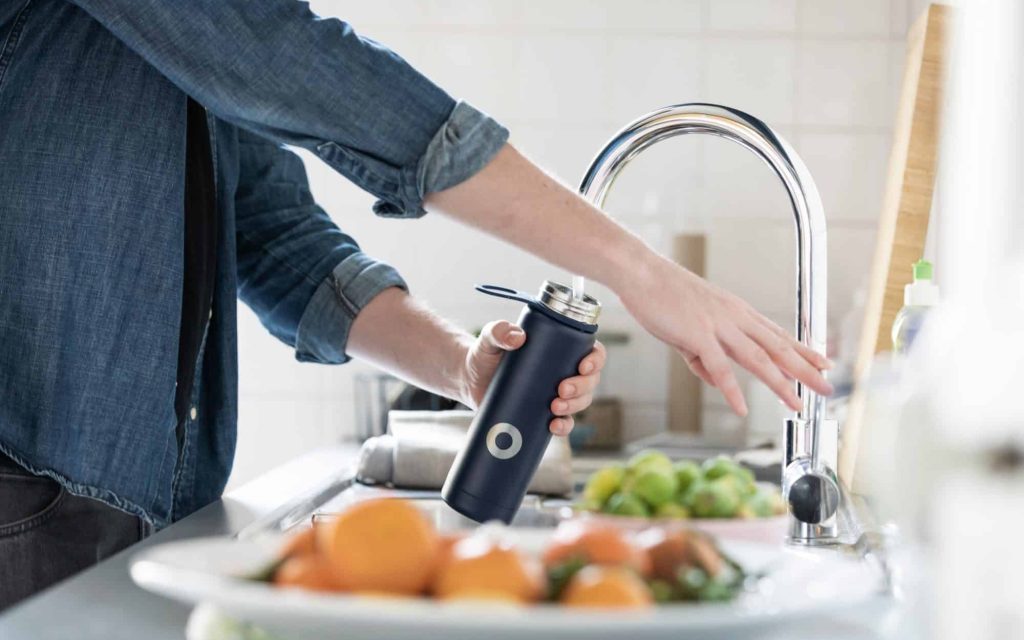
(481, 568)
(595, 543)
(307, 571)
(384, 545)
(602, 587)
(301, 543)
(381, 595)
(447, 543)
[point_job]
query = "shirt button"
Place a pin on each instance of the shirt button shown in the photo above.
(194, 413)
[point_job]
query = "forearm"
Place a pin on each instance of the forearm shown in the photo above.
(515, 200)
(402, 336)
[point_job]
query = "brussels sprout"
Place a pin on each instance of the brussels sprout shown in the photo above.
(715, 499)
(718, 466)
(653, 485)
(746, 512)
(585, 504)
(742, 488)
(775, 498)
(748, 485)
(649, 458)
(672, 510)
(603, 483)
(626, 504)
(687, 472)
(721, 466)
(761, 504)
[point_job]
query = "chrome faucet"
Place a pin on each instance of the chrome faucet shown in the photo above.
(810, 485)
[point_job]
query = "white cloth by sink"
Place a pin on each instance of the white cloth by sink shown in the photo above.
(420, 447)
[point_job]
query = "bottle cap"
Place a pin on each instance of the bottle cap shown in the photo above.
(922, 292)
(559, 299)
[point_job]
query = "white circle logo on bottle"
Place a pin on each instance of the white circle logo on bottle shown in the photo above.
(508, 449)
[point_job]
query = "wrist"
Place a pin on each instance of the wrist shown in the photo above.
(631, 264)
(457, 370)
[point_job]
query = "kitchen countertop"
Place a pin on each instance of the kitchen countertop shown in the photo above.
(103, 603)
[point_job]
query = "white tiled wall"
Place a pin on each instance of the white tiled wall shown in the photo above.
(564, 75)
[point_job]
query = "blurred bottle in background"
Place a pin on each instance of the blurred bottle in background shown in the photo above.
(918, 299)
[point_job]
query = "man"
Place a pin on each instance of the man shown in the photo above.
(144, 185)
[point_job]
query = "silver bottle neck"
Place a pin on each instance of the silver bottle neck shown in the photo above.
(558, 298)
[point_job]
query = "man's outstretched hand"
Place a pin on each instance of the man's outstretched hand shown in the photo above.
(709, 326)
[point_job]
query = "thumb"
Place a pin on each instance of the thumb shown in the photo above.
(501, 335)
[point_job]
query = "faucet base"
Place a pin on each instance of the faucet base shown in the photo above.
(812, 535)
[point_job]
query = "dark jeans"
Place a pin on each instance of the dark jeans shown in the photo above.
(48, 534)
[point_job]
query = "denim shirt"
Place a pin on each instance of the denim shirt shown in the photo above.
(92, 147)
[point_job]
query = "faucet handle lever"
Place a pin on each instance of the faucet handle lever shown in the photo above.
(813, 496)
(810, 486)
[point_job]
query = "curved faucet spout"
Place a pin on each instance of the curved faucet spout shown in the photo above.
(811, 441)
(751, 133)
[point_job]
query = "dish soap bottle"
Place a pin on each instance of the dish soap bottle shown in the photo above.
(918, 298)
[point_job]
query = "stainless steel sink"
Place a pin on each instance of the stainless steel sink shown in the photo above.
(336, 494)
(536, 512)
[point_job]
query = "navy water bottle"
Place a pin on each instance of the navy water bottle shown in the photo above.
(510, 432)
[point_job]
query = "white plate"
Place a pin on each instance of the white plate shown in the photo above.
(761, 530)
(211, 570)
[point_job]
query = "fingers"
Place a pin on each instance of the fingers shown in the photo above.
(816, 359)
(500, 335)
(576, 393)
(717, 366)
(792, 361)
(755, 359)
(697, 367)
(561, 426)
(578, 386)
(594, 362)
(561, 407)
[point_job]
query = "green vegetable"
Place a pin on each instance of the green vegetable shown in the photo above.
(691, 580)
(647, 459)
(626, 504)
(765, 502)
(742, 488)
(718, 467)
(715, 499)
(652, 484)
(760, 504)
(745, 512)
(589, 505)
(716, 591)
(696, 584)
(602, 484)
(672, 510)
(560, 575)
(687, 472)
(662, 590)
(724, 467)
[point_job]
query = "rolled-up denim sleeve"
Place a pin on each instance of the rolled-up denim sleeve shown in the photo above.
(325, 323)
(275, 68)
(304, 278)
